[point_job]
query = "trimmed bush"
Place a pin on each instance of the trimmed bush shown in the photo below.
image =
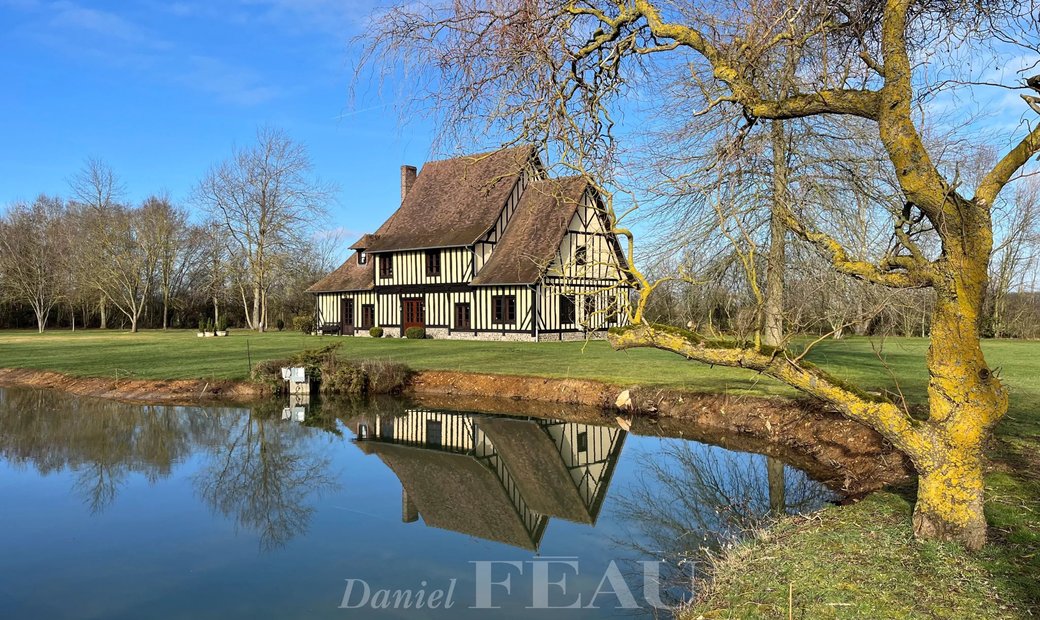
(314, 360)
(385, 377)
(364, 378)
(376, 332)
(202, 325)
(303, 323)
(342, 377)
(222, 325)
(415, 333)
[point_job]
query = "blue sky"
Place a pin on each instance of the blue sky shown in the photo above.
(162, 90)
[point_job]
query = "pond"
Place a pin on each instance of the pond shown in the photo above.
(382, 509)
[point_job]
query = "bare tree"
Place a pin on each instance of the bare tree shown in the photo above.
(33, 256)
(95, 188)
(267, 204)
(178, 246)
(123, 256)
(1017, 254)
(558, 73)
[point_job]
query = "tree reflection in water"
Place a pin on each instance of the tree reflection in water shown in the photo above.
(690, 500)
(259, 470)
(262, 475)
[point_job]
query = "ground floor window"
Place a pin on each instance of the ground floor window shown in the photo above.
(503, 309)
(368, 316)
(566, 309)
(434, 432)
(386, 428)
(462, 316)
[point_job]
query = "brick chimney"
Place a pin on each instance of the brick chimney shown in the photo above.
(407, 180)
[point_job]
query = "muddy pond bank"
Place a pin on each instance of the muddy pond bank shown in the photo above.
(848, 457)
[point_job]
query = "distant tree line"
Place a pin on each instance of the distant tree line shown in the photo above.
(724, 305)
(244, 253)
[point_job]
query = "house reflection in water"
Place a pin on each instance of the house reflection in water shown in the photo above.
(496, 478)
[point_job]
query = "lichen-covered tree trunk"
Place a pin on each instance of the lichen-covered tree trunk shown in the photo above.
(965, 401)
(950, 495)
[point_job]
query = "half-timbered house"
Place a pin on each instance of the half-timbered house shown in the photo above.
(484, 247)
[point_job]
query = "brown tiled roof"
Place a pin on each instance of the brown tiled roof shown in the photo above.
(453, 201)
(534, 233)
(457, 492)
(540, 472)
(350, 276)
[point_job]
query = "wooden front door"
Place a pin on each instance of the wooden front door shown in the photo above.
(346, 317)
(413, 313)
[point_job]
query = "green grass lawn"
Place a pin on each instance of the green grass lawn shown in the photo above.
(857, 561)
(182, 355)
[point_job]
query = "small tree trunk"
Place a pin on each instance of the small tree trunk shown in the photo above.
(103, 309)
(262, 327)
(256, 308)
(773, 304)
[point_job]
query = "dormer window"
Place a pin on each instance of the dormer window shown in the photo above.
(362, 258)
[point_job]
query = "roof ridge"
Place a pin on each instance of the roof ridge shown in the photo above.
(475, 156)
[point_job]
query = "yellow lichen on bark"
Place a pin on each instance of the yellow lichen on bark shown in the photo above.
(946, 449)
(950, 496)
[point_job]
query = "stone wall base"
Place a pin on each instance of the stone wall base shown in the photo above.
(442, 333)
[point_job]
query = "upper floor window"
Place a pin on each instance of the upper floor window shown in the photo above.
(503, 309)
(433, 263)
(362, 258)
(386, 266)
(581, 256)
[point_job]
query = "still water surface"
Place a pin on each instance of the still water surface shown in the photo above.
(113, 510)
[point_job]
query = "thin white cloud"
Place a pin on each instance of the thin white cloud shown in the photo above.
(111, 39)
(229, 83)
(108, 27)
